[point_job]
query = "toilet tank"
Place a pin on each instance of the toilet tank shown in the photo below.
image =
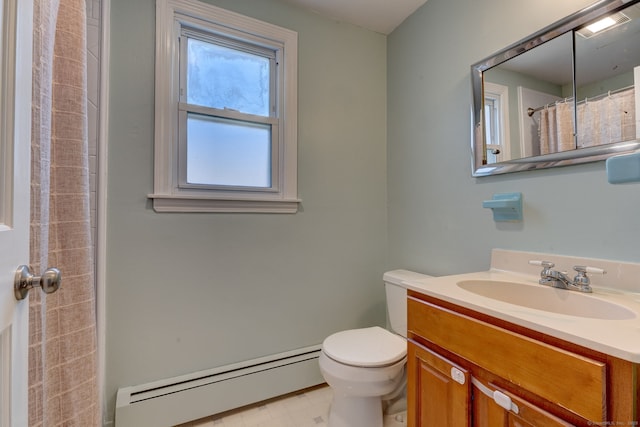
(397, 298)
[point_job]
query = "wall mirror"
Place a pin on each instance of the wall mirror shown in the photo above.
(565, 95)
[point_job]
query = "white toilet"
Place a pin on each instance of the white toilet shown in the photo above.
(366, 367)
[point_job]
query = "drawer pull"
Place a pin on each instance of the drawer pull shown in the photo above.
(458, 376)
(500, 398)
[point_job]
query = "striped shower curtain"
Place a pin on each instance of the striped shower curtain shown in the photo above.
(63, 386)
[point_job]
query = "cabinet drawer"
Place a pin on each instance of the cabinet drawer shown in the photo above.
(570, 380)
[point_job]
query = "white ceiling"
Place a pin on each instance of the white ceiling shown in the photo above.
(382, 16)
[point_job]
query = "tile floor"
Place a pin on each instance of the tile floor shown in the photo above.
(309, 408)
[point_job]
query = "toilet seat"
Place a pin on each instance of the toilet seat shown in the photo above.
(367, 347)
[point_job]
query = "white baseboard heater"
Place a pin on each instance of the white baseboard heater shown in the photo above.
(178, 400)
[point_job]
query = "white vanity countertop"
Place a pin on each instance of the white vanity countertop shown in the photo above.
(619, 338)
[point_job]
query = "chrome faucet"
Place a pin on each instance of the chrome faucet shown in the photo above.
(558, 279)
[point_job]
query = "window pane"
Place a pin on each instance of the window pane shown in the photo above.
(220, 77)
(490, 121)
(492, 156)
(227, 152)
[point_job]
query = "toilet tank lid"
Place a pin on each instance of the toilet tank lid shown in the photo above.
(366, 347)
(398, 276)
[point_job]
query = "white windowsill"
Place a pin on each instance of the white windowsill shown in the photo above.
(185, 203)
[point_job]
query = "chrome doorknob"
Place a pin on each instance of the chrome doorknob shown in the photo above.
(24, 280)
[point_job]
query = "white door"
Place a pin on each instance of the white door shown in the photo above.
(16, 20)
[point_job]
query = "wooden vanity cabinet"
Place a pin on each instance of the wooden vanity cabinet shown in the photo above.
(454, 353)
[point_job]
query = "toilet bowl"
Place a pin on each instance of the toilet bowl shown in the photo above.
(365, 367)
(361, 366)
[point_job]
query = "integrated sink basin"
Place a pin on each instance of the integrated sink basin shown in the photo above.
(544, 298)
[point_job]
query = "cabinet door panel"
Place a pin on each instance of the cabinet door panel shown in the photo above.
(486, 413)
(435, 399)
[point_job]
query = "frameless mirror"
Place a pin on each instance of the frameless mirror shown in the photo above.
(563, 96)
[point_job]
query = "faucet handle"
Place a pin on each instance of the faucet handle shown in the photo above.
(584, 269)
(545, 264)
(581, 280)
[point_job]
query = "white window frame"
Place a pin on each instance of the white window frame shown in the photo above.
(169, 195)
(500, 95)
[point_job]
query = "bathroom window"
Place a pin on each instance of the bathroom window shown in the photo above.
(226, 112)
(496, 118)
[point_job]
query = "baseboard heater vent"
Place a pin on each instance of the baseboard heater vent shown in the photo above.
(178, 400)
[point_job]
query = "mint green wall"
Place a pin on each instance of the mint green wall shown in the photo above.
(436, 220)
(187, 292)
(385, 182)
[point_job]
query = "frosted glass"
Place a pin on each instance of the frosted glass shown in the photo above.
(220, 77)
(227, 152)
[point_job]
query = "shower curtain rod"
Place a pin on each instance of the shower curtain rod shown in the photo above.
(531, 111)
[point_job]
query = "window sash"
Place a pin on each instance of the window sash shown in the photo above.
(183, 112)
(272, 53)
(184, 108)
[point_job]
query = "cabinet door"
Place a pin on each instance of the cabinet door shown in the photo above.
(438, 391)
(486, 412)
